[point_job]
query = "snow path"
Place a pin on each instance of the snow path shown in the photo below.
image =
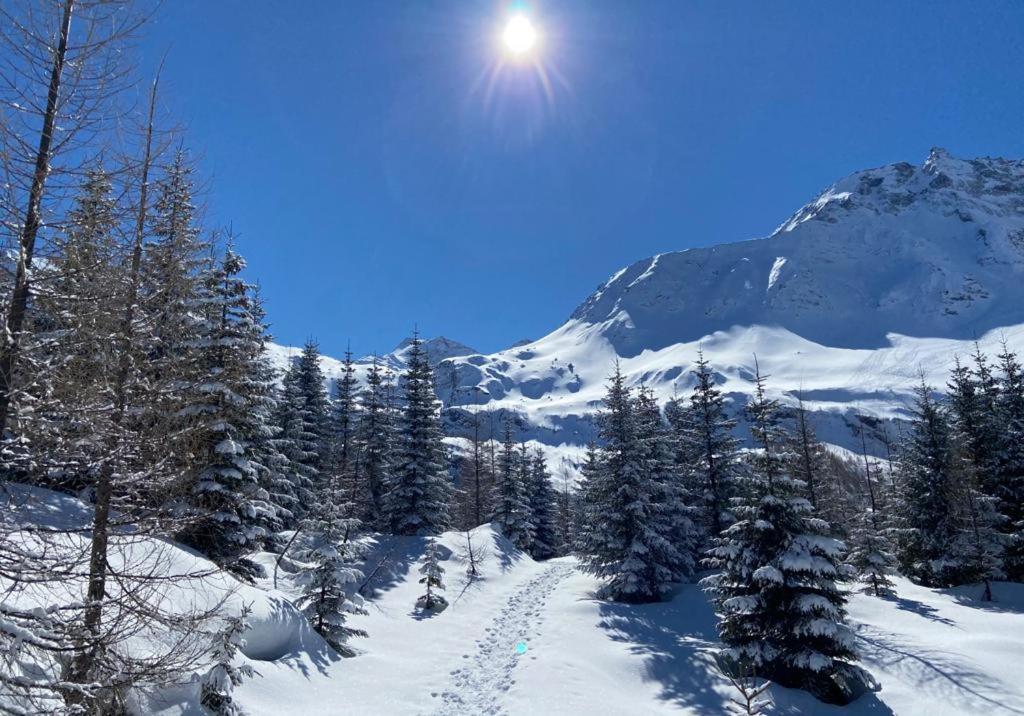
(478, 687)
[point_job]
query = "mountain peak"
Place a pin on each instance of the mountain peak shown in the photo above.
(931, 250)
(437, 349)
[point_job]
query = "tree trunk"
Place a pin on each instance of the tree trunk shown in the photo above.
(27, 242)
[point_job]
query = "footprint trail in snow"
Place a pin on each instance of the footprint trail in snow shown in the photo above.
(478, 687)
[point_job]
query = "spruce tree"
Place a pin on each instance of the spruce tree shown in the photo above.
(541, 499)
(779, 608)
(432, 579)
(218, 684)
(870, 551)
(630, 541)
(420, 493)
(810, 465)
(1009, 488)
(375, 442)
(926, 512)
(313, 388)
(325, 598)
(174, 307)
(79, 296)
(297, 440)
(343, 428)
(511, 503)
(707, 449)
(671, 497)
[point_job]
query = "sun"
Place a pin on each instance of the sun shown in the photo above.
(520, 36)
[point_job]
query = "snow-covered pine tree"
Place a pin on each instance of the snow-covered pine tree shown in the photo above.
(325, 599)
(276, 500)
(541, 499)
(218, 684)
(707, 448)
(778, 605)
(298, 439)
(173, 307)
(630, 543)
(511, 505)
(79, 295)
(313, 388)
(925, 512)
(590, 494)
(810, 465)
(374, 441)
(432, 579)
(977, 440)
(869, 554)
(225, 400)
(420, 494)
(672, 499)
(1009, 490)
(343, 428)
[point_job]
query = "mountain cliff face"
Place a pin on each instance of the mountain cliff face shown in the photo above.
(886, 275)
(929, 251)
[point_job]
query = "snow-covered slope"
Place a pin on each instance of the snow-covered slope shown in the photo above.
(933, 652)
(887, 274)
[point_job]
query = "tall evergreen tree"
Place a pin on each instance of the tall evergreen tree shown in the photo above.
(511, 502)
(175, 310)
(707, 447)
(420, 493)
(75, 312)
(343, 429)
(375, 442)
(541, 498)
(325, 598)
(630, 543)
(297, 440)
(1009, 488)
(779, 608)
(672, 498)
(926, 514)
(225, 399)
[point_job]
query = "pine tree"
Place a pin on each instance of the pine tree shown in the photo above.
(375, 441)
(79, 295)
(344, 426)
(870, 552)
(1009, 488)
(312, 386)
(298, 441)
(325, 599)
(511, 504)
(541, 499)
(977, 439)
(226, 400)
(779, 607)
(630, 543)
(420, 493)
(707, 448)
(174, 308)
(432, 579)
(671, 497)
(218, 684)
(926, 513)
(810, 465)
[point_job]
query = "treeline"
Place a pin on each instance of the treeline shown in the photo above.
(774, 531)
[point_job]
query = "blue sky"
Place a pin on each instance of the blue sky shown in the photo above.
(382, 174)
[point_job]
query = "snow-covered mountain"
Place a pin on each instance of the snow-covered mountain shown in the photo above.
(885, 276)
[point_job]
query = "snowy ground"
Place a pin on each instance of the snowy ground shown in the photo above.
(933, 652)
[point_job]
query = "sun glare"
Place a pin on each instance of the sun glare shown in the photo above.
(520, 35)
